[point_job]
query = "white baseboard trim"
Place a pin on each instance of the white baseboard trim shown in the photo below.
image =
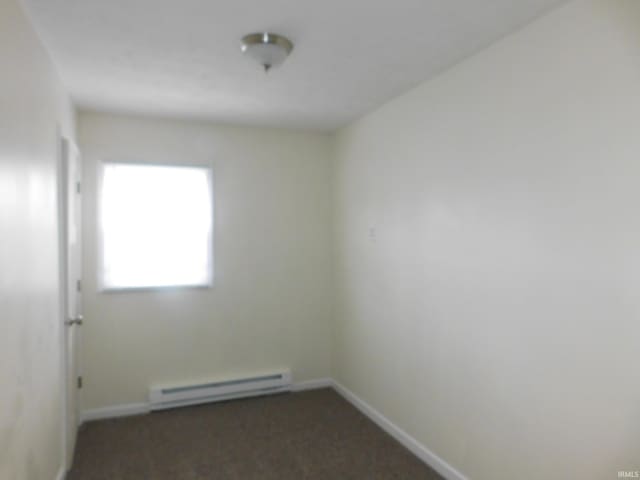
(312, 384)
(114, 411)
(62, 473)
(127, 410)
(415, 447)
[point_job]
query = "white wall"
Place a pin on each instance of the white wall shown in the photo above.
(495, 315)
(270, 305)
(33, 108)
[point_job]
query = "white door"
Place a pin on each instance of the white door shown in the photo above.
(71, 262)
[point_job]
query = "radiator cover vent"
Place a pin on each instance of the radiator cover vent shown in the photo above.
(171, 396)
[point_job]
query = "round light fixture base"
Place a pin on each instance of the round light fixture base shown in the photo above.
(268, 49)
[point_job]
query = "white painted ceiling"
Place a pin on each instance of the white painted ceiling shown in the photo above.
(182, 58)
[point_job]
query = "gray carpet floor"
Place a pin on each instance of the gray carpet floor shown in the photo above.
(300, 436)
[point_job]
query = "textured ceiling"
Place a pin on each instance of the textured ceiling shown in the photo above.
(182, 58)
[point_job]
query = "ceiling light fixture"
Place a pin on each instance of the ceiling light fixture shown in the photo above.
(268, 49)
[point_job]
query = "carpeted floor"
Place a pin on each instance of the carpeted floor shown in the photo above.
(311, 435)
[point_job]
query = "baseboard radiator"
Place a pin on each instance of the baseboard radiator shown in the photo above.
(171, 396)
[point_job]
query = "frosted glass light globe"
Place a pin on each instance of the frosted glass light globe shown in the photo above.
(268, 49)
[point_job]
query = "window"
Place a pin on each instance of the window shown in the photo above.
(156, 226)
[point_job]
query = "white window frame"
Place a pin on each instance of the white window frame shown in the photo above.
(100, 244)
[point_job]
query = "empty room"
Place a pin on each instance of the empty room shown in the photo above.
(309, 240)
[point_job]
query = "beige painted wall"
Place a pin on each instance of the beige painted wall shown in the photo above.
(33, 108)
(493, 312)
(270, 305)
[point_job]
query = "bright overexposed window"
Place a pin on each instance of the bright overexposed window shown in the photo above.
(156, 226)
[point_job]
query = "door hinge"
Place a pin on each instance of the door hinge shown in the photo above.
(79, 285)
(78, 187)
(79, 382)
